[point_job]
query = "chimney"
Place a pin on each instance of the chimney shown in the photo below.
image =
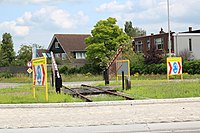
(190, 29)
(161, 31)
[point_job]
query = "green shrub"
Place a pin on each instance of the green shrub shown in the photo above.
(191, 67)
(64, 69)
(6, 75)
(155, 69)
(74, 70)
(90, 68)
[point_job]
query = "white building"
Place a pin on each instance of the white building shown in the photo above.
(187, 43)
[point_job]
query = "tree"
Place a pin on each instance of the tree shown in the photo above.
(105, 40)
(133, 31)
(153, 56)
(7, 51)
(25, 53)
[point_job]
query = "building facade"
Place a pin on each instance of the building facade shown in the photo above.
(187, 44)
(158, 41)
(69, 47)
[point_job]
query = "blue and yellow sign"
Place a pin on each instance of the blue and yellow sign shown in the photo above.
(39, 66)
(174, 66)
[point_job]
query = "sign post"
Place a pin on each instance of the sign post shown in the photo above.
(174, 66)
(29, 65)
(40, 74)
(123, 66)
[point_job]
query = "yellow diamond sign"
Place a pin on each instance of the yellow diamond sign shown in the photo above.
(29, 70)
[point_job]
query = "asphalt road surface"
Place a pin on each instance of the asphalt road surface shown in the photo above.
(10, 85)
(175, 127)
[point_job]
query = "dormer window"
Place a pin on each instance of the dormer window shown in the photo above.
(56, 45)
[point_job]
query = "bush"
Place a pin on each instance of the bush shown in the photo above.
(66, 70)
(155, 69)
(90, 68)
(150, 68)
(6, 75)
(191, 67)
(63, 69)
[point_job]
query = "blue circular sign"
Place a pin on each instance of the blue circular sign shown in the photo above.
(175, 67)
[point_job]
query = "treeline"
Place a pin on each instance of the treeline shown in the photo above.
(8, 57)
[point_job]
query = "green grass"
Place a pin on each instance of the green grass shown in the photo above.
(166, 89)
(142, 88)
(23, 94)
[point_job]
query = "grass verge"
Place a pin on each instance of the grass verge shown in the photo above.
(164, 89)
(141, 89)
(23, 94)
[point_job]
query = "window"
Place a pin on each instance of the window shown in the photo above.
(64, 56)
(139, 46)
(80, 55)
(190, 45)
(159, 43)
(148, 44)
(56, 45)
(57, 55)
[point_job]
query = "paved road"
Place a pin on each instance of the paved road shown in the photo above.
(175, 127)
(10, 85)
(100, 113)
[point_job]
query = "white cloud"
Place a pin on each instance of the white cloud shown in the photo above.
(114, 6)
(59, 17)
(151, 15)
(47, 17)
(25, 18)
(62, 19)
(13, 27)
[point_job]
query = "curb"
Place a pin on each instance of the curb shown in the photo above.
(103, 103)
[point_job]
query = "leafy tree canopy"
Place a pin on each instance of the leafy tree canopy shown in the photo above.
(105, 40)
(25, 53)
(7, 50)
(133, 31)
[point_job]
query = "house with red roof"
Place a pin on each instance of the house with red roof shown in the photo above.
(69, 47)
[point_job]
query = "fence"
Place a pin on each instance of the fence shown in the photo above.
(14, 69)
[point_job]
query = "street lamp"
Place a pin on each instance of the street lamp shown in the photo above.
(169, 40)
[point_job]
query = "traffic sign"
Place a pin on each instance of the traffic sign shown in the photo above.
(39, 71)
(29, 64)
(29, 70)
(123, 65)
(174, 66)
(39, 66)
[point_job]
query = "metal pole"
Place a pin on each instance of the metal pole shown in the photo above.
(122, 80)
(169, 40)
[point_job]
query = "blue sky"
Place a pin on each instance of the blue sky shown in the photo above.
(35, 21)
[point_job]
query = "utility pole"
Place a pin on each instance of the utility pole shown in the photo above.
(169, 36)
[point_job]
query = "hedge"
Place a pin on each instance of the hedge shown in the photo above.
(190, 67)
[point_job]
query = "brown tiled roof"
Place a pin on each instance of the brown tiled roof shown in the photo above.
(72, 42)
(40, 51)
